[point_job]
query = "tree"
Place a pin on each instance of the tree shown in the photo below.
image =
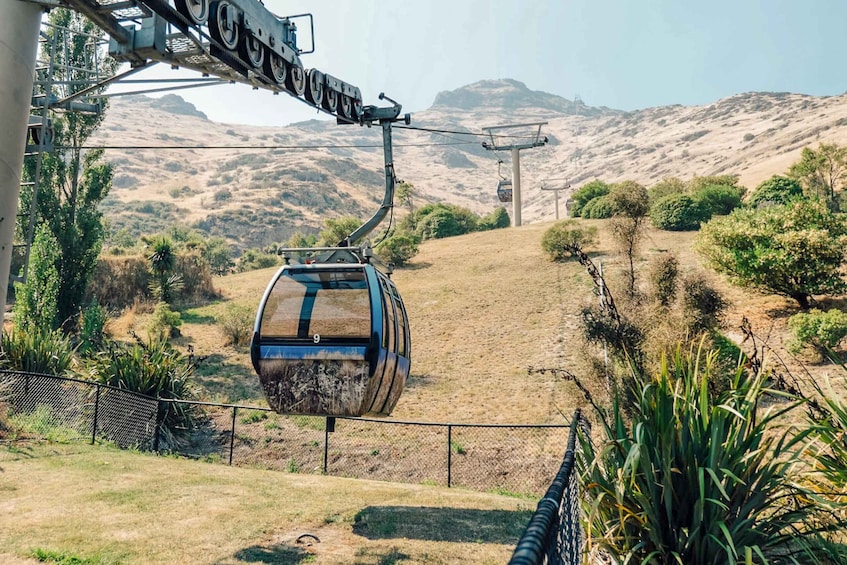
(36, 299)
(162, 260)
(218, 254)
(336, 230)
(630, 205)
(73, 181)
(776, 190)
(821, 172)
(398, 248)
(405, 193)
(795, 250)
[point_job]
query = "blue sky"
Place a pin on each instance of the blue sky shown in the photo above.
(625, 54)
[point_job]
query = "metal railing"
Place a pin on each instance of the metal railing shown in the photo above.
(554, 534)
(511, 459)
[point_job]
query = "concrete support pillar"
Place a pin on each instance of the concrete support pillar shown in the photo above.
(19, 25)
(516, 187)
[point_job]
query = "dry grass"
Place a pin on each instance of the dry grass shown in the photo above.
(111, 506)
(484, 308)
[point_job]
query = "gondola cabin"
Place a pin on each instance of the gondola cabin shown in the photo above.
(331, 339)
(504, 190)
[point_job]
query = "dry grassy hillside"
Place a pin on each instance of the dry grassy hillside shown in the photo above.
(484, 309)
(259, 196)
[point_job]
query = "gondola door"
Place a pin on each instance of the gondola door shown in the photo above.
(389, 347)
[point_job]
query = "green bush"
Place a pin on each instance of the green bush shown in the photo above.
(397, 249)
(719, 199)
(48, 352)
(777, 190)
(92, 328)
(165, 322)
(665, 187)
(155, 369)
(687, 477)
(821, 331)
(253, 259)
(598, 208)
(497, 219)
(561, 237)
(678, 212)
(585, 194)
(236, 323)
(795, 250)
(436, 221)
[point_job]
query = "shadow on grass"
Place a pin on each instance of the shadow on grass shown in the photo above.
(441, 524)
(416, 266)
(281, 554)
(190, 317)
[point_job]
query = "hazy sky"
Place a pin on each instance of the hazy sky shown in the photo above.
(625, 54)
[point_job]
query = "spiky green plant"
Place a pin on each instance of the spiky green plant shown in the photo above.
(699, 478)
(155, 369)
(36, 351)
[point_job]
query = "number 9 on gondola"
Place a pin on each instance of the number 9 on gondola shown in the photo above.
(331, 340)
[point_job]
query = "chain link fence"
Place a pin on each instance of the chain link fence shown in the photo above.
(69, 410)
(511, 459)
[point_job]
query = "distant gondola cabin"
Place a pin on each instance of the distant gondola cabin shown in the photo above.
(504, 191)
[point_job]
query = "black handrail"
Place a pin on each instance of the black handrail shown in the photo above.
(541, 533)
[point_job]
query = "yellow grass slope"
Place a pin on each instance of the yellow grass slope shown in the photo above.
(105, 506)
(488, 310)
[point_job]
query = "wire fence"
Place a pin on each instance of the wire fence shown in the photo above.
(511, 459)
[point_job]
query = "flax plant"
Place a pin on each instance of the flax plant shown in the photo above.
(688, 477)
(155, 369)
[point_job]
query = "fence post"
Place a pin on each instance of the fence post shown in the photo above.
(158, 431)
(330, 427)
(449, 454)
(96, 410)
(232, 435)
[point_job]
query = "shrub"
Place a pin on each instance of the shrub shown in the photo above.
(497, 219)
(665, 187)
(236, 323)
(155, 369)
(165, 322)
(40, 351)
(663, 276)
(585, 194)
(253, 259)
(397, 249)
(795, 250)
(562, 236)
(719, 199)
(677, 212)
(598, 208)
(703, 304)
(777, 190)
(120, 281)
(821, 331)
(670, 481)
